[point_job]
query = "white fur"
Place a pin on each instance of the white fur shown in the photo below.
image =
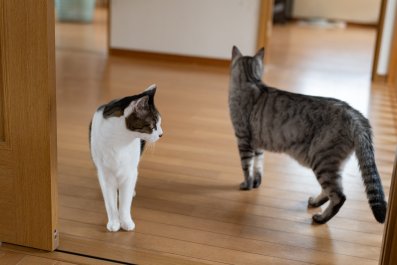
(116, 152)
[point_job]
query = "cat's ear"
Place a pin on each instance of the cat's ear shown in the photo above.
(260, 54)
(151, 90)
(138, 106)
(236, 53)
(141, 104)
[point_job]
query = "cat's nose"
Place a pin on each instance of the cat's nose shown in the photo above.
(160, 135)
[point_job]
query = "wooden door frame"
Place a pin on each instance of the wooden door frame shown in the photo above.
(391, 77)
(29, 143)
(389, 244)
(264, 23)
(378, 42)
(392, 69)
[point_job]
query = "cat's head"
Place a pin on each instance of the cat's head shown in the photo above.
(140, 114)
(247, 68)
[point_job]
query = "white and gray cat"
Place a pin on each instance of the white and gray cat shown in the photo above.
(320, 133)
(118, 133)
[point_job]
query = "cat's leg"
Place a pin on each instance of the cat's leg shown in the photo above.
(318, 200)
(126, 193)
(108, 185)
(331, 183)
(247, 163)
(258, 168)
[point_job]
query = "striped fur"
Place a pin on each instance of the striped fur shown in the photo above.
(320, 133)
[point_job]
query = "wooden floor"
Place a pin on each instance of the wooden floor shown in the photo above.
(188, 209)
(15, 255)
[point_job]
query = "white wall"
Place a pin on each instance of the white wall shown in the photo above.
(387, 37)
(204, 28)
(359, 11)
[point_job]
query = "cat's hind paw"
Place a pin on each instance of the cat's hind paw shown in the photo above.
(247, 185)
(319, 219)
(315, 202)
(113, 226)
(257, 181)
(127, 225)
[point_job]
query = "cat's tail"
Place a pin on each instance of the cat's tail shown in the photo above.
(366, 160)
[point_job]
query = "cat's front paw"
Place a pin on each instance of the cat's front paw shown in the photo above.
(128, 224)
(247, 185)
(113, 226)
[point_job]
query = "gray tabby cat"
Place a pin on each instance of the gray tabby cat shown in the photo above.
(320, 133)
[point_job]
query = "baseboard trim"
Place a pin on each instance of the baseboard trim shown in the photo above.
(168, 57)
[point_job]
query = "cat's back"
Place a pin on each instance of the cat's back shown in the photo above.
(279, 99)
(98, 135)
(96, 125)
(109, 147)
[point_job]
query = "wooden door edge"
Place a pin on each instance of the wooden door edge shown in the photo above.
(378, 40)
(389, 243)
(392, 68)
(264, 23)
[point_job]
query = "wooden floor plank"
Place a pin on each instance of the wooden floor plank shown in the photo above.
(249, 221)
(17, 255)
(243, 238)
(213, 247)
(11, 258)
(125, 253)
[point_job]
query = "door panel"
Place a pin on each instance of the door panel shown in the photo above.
(1, 104)
(28, 212)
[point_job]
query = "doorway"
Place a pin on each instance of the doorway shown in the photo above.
(188, 209)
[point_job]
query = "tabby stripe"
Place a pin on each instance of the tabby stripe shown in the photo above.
(320, 158)
(327, 171)
(269, 133)
(241, 136)
(376, 200)
(325, 184)
(246, 157)
(245, 147)
(261, 113)
(285, 120)
(329, 165)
